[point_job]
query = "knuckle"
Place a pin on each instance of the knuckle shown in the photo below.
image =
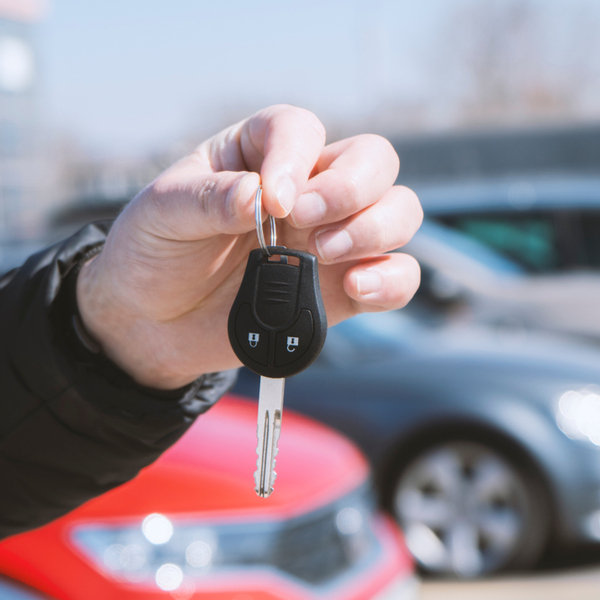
(314, 123)
(377, 140)
(379, 237)
(203, 195)
(380, 157)
(155, 196)
(307, 118)
(381, 145)
(281, 108)
(351, 193)
(413, 215)
(390, 153)
(413, 201)
(417, 209)
(414, 270)
(160, 187)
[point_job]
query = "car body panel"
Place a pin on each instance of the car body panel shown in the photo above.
(458, 378)
(208, 476)
(494, 291)
(510, 194)
(479, 242)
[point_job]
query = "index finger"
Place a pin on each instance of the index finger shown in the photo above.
(283, 144)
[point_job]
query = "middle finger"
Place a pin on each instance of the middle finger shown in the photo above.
(351, 175)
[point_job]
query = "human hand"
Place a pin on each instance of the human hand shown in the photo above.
(158, 297)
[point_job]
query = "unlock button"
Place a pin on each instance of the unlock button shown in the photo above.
(294, 341)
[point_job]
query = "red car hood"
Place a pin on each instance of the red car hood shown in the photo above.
(211, 469)
(207, 474)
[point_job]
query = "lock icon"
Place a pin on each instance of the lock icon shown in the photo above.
(253, 339)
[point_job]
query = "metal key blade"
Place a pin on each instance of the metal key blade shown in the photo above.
(270, 408)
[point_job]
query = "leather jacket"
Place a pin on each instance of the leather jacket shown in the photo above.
(73, 425)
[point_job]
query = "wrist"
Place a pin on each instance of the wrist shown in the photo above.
(107, 326)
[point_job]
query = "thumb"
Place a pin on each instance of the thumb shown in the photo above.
(185, 203)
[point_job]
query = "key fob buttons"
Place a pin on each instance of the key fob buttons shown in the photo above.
(277, 324)
(252, 338)
(294, 341)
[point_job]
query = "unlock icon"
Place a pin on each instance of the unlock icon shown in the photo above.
(292, 343)
(253, 339)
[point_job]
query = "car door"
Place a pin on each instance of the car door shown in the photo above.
(588, 238)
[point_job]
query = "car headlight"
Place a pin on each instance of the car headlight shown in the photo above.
(173, 553)
(578, 415)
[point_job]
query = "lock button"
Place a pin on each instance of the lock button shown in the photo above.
(253, 339)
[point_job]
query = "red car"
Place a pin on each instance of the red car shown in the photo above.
(191, 526)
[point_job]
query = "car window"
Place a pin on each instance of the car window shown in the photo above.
(529, 240)
(590, 238)
(439, 238)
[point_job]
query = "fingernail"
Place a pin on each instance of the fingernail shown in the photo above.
(368, 282)
(285, 192)
(333, 244)
(309, 209)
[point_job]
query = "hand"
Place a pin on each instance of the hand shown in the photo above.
(158, 296)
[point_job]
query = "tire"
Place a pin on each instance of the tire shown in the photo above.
(468, 510)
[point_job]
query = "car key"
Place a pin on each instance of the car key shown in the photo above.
(277, 327)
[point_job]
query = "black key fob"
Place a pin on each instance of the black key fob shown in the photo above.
(277, 324)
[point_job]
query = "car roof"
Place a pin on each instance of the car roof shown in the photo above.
(505, 194)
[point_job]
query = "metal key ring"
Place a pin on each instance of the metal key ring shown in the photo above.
(259, 225)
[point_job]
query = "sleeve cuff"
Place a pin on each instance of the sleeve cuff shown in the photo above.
(107, 386)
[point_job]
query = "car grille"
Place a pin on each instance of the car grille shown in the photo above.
(316, 548)
(314, 551)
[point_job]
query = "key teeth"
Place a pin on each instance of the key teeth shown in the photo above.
(267, 433)
(257, 488)
(257, 477)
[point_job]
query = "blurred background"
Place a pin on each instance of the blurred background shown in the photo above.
(97, 97)
(494, 109)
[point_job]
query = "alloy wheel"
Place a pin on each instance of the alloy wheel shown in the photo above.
(463, 507)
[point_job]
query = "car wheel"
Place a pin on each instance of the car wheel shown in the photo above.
(467, 510)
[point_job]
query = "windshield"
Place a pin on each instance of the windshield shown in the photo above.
(468, 246)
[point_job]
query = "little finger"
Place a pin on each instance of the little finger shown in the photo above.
(383, 283)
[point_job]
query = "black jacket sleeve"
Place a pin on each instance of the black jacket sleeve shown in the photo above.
(72, 425)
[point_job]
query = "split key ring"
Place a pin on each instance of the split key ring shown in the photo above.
(259, 225)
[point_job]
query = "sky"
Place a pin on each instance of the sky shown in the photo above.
(130, 76)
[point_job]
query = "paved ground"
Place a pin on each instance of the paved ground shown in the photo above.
(583, 584)
(573, 578)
